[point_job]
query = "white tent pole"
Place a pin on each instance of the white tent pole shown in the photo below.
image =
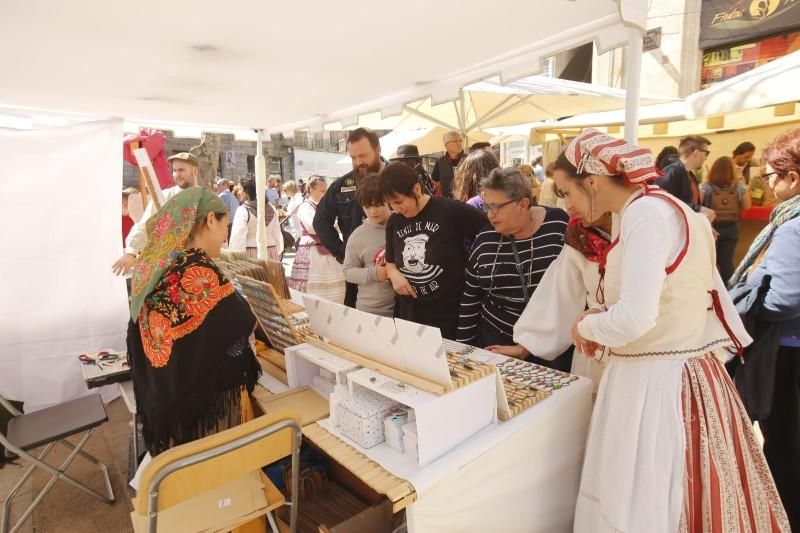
(261, 186)
(634, 68)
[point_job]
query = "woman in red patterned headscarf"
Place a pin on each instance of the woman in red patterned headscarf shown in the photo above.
(670, 446)
(188, 339)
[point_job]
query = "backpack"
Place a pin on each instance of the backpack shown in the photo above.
(725, 203)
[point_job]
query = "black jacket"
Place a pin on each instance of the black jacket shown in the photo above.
(444, 172)
(755, 379)
(678, 182)
(338, 204)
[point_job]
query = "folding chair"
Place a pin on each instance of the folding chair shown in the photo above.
(49, 427)
(197, 468)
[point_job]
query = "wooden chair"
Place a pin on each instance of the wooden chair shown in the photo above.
(196, 468)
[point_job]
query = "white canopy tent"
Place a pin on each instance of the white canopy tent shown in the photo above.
(489, 104)
(276, 67)
(281, 67)
(776, 82)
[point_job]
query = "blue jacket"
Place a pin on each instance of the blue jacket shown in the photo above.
(782, 262)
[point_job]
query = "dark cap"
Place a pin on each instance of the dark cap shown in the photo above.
(407, 151)
(186, 157)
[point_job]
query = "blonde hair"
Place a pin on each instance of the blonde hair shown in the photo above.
(290, 187)
(526, 170)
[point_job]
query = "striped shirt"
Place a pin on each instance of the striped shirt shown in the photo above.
(502, 273)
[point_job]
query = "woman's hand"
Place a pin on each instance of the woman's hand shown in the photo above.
(381, 274)
(401, 285)
(515, 350)
(586, 346)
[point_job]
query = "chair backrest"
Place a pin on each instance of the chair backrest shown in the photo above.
(13, 411)
(214, 471)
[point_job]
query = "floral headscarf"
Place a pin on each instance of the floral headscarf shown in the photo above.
(167, 232)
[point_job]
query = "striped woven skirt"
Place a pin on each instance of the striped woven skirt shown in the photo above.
(728, 485)
(318, 274)
(671, 448)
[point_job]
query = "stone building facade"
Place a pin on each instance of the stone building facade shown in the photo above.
(237, 157)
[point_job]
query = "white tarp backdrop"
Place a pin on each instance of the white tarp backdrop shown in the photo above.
(61, 231)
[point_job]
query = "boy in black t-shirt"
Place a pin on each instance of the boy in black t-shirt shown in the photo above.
(425, 254)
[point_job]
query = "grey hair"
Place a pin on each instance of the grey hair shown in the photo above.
(509, 181)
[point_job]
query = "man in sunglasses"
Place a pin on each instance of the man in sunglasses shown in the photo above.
(679, 179)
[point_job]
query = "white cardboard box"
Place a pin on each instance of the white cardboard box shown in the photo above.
(442, 422)
(305, 362)
(360, 417)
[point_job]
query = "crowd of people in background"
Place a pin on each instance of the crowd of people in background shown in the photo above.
(606, 252)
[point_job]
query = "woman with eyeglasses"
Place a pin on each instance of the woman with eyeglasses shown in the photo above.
(425, 252)
(771, 268)
(507, 261)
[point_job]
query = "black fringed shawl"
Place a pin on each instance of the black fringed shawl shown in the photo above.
(189, 353)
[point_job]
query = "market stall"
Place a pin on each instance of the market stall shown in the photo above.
(470, 468)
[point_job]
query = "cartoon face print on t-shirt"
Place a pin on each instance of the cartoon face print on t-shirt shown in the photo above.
(414, 254)
(415, 266)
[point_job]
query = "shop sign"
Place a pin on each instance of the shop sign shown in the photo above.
(729, 21)
(652, 39)
(723, 63)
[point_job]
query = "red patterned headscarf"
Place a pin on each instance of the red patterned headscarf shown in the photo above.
(597, 153)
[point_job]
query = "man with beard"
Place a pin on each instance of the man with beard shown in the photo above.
(339, 206)
(185, 170)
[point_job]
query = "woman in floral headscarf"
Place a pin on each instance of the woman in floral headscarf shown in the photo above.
(188, 339)
(670, 446)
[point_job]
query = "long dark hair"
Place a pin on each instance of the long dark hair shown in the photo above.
(475, 167)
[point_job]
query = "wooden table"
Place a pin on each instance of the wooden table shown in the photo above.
(313, 407)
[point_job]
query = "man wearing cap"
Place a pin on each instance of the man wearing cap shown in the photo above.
(409, 155)
(339, 207)
(185, 170)
(445, 168)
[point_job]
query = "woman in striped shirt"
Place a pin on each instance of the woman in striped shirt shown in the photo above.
(507, 261)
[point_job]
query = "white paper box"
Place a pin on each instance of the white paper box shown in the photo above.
(442, 422)
(305, 362)
(323, 387)
(393, 427)
(360, 417)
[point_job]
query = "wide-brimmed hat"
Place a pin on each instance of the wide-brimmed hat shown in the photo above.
(406, 151)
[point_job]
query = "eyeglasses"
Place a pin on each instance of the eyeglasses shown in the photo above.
(494, 208)
(704, 150)
(765, 177)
